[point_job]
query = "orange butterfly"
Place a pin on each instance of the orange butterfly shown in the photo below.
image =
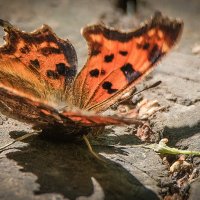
(38, 82)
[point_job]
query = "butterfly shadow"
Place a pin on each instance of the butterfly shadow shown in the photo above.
(66, 169)
(176, 134)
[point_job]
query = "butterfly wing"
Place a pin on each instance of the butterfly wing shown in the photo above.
(118, 60)
(36, 70)
(23, 108)
(39, 63)
(38, 113)
(91, 119)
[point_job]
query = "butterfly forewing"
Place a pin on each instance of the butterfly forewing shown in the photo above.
(118, 60)
(49, 58)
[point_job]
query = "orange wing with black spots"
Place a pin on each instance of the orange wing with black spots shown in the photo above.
(37, 71)
(39, 113)
(118, 60)
(41, 54)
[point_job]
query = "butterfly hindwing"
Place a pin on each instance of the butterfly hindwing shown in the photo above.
(93, 120)
(23, 108)
(118, 60)
(39, 113)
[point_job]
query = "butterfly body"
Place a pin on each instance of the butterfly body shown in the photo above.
(38, 81)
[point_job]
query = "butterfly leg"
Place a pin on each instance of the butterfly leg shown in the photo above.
(27, 135)
(87, 142)
(96, 131)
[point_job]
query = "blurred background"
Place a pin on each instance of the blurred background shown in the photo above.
(67, 17)
(60, 171)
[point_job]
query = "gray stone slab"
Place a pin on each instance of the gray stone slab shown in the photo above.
(41, 169)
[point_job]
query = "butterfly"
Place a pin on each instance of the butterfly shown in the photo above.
(38, 81)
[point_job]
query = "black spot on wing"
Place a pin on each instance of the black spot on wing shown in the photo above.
(94, 73)
(108, 86)
(155, 54)
(25, 49)
(146, 46)
(123, 53)
(95, 48)
(50, 50)
(35, 63)
(64, 70)
(52, 74)
(109, 58)
(129, 72)
(95, 52)
(61, 68)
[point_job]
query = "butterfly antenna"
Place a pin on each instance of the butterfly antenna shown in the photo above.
(145, 88)
(149, 87)
(87, 142)
(27, 135)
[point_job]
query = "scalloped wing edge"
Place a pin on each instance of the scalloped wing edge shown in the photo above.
(114, 34)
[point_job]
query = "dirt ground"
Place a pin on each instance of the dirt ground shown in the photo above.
(40, 169)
